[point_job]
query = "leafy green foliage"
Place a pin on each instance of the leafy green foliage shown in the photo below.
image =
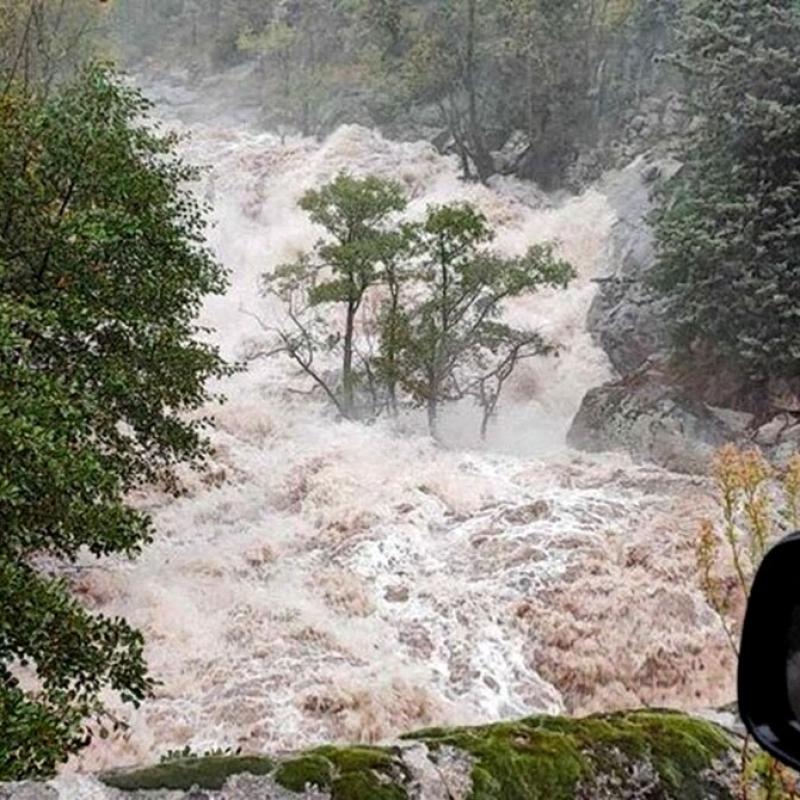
(554, 78)
(752, 497)
(355, 213)
(456, 342)
(562, 76)
(729, 230)
(44, 41)
(300, 48)
(422, 302)
(102, 272)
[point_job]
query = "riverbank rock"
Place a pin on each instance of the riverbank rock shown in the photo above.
(625, 756)
(646, 411)
(626, 318)
(653, 420)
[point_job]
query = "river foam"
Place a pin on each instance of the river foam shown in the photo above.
(331, 580)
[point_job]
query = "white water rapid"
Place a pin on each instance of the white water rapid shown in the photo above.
(328, 580)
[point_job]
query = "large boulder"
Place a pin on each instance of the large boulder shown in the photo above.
(628, 756)
(653, 420)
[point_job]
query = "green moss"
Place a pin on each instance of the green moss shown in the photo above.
(349, 773)
(516, 761)
(366, 786)
(540, 758)
(209, 772)
(679, 748)
(310, 770)
(356, 759)
(549, 758)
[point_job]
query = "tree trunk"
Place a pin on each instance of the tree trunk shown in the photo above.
(433, 417)
(484, 164)
(348, 389)
(393, 345)
(485, 425)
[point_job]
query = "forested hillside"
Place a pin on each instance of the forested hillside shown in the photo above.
(551, 90)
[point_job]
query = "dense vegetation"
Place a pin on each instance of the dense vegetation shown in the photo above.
(509, 85)
(729, 233)
(102, 270)
(44, 41)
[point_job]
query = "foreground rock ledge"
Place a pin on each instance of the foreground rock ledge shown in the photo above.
(622, 756)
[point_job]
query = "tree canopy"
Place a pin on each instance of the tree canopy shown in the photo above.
(550, 78)
(103, 269)
(729, 228)
(422, 302)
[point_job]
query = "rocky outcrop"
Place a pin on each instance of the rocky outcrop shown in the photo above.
(644, 411)
(626, 756)
(652, 420)
(627, 319)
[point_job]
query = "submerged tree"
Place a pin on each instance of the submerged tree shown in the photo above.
(395, 278)
(457, 345)
(420, 304)
(102, 272)
(729, 230)
(360, 243)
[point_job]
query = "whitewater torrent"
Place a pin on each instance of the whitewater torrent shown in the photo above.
(327, 580)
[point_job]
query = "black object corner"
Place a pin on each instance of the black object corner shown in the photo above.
(770, 637)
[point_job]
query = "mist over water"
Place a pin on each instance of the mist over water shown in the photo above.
(331, 580)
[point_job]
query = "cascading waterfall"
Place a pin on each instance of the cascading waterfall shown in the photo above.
(330, 580)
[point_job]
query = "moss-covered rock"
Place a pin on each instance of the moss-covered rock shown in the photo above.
(209, 772)
(658, 755)
(298, 773)
(550, 758)
(349, 773)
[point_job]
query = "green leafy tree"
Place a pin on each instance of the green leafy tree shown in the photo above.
(523, 86)
(556, 49)
(456, 343)
(102, 272)
(729, 228)
(42, 41)
(359, 246)
(446, 65)
(395, 277)
(301, 48)
(559, 74)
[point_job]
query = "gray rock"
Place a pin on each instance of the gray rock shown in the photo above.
(773, 433)
(252, 787)
(643, 412)
(739, 422)
(627, 319)
(507, 159)
(448, 777)
(653, 421)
